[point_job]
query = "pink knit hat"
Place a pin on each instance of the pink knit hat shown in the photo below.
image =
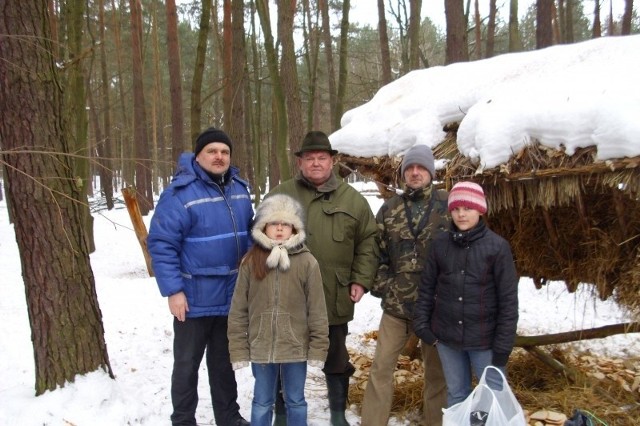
(467, 194)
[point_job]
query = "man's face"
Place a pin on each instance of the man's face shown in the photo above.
(416, 176)
(316, 166)
(215, 158)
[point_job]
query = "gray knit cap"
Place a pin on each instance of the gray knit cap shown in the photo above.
(420, 155)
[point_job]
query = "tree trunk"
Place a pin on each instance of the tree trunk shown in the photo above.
(414, 34)
(612, 25)
(597, 23)
(515, 43)
(328, 49)
(227, 60)
(198, 72)
(568, 22)
(260, 153)
(342, 70)
(491, 29)
(122, 150)
(627, 17)
(289, 74)
(279, 106)
(140, 134)
(105, 145)
(65, 319)
(312, 53)
(477, 31)
(175, 83)
(385, 55)
(544, 29)
(238, 81)
(457, 45)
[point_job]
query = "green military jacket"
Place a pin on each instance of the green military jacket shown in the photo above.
(402, 255)
(341, 231)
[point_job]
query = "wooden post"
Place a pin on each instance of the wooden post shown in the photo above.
(138, 224)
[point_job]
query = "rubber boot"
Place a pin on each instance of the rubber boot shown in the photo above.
(281, 412)
(338, 389)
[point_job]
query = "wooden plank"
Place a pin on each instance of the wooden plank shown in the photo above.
(140, 228)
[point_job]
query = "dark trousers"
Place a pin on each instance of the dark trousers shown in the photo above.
(338, 357)
(191, 338)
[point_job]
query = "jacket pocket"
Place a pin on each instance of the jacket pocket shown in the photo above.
(207, 287)
(343, 224)
(286, 339)
(344, 305)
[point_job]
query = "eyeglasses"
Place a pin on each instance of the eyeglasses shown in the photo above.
(283, 224)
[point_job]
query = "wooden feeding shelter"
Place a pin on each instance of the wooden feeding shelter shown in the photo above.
(568, 218)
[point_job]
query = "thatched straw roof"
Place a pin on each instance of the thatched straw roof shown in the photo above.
(568, 217)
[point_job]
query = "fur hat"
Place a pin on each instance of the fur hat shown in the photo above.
(467, 194)
(278, 208)
(316, 141)
(211, 135)
(421, 155)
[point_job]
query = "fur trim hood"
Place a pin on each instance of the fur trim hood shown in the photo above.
(279, 208)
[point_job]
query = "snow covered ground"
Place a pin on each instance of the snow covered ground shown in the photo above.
(139, 339)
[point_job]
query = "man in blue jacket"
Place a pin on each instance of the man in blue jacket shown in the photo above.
(198, 234)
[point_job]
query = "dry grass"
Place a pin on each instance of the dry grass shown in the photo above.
(535, 385)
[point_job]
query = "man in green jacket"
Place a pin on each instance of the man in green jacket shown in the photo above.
(341, 231)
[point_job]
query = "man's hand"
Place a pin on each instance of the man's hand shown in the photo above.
(178, 306)
(356, 291)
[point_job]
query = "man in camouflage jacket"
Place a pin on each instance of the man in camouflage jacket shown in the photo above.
(407, 224)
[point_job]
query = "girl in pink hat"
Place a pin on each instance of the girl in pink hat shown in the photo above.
(468, 296)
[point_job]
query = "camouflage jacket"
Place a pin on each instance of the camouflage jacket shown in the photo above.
(402, 257)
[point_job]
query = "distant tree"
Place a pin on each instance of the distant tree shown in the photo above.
(105, 144)
(627, 17)
(46, 202)
(384, 44)
(515, 41)
(491, 29)
(597, 25)
(238, 82)
(175, 82)
(140, 134)
(328, 48)
(457, 45)
(544, 29)
(279, 102)
(477, 31)
(414, 34)
(289, 74)
(342, 68)
(198, 72)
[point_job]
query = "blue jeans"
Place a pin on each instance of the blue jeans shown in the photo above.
(293, 376)
(457, 366)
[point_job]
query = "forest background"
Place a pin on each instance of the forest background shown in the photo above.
(101, 95)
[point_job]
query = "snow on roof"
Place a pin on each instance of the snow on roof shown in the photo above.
(565, 96)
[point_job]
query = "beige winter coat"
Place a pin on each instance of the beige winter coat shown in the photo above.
(281, 318)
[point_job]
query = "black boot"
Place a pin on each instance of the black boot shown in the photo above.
(338, 389)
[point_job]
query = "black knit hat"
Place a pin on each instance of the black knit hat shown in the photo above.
(316, 141)
(211, 135)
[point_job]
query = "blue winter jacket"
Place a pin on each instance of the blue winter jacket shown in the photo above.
(198, 234)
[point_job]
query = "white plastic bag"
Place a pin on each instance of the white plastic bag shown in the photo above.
(486, 406)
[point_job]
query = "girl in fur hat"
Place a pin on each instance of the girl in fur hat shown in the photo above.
(278, 318)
